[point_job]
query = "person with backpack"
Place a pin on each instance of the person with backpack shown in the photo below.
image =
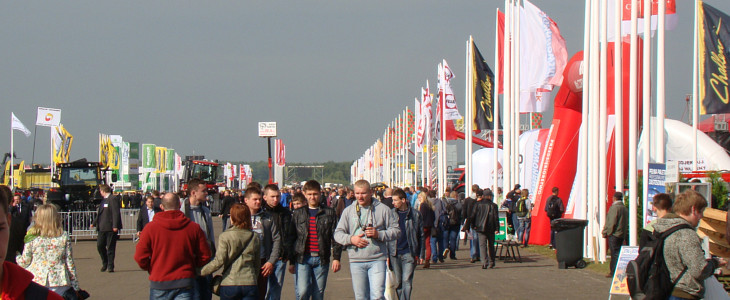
(554, 208)
(523, 210)
(616, 228)
(451, 224)
(682, 251)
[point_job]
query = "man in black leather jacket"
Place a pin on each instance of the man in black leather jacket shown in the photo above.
(484, 218)
(310, 257)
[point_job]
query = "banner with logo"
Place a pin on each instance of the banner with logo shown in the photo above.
(108, 154)
(714, 34)
(148, 157)
(48, 117)
(61, 141)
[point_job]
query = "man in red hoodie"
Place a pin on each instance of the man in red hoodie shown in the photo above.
(170, 248)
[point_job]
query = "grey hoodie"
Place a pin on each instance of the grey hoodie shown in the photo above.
(382, 218)
(683, 248)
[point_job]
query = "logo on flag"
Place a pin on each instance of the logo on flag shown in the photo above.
(48, 117)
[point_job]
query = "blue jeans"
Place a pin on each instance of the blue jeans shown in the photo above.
(276, 281)
(515, 223)
(239, 292)
(225, 223)
(311, 278)
(201, 288)
(451, 236)
(438, 240)
(173, 294)
(523, 232)
(403, 267)
(368, 279)
(474, 245)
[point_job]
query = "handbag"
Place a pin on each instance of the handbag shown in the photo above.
(215, 284)
(435, 231)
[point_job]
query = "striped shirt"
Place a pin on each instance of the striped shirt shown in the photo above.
(312, 244)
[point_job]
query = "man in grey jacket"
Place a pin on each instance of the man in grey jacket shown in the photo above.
(682, 249)
(366, 228)
(268, 232)
(194, 209)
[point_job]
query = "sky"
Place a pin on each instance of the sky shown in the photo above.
(198, 76)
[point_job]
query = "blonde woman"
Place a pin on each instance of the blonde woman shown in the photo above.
(425, 207)
(48, 253)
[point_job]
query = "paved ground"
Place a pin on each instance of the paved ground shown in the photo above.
(535, 278)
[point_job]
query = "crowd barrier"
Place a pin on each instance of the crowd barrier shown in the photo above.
(78, 223)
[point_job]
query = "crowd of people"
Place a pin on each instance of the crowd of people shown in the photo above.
(267, 232)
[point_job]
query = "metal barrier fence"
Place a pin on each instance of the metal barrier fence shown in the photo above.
(78, 223)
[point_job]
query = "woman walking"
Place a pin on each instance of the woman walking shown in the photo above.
(239, 255)
(48, 254)
(426, 209)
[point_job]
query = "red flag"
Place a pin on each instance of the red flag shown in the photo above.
(500, 51)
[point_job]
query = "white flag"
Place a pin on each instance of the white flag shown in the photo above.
(450, 110)
(17, 125)
(48, 117)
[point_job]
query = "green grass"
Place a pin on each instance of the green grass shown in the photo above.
(549, 253)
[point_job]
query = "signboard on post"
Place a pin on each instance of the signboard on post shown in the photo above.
(48, 117)
(618, 284)
(267, 129)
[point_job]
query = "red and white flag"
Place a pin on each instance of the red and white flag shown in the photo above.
(671, 18)
(446, 93)
(280, 152)
(424, 118)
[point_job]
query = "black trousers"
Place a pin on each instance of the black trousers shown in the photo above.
(486, 247)
(106, 244)
(614, 243)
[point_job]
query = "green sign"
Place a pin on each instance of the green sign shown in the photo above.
(170, 160)
(148, 156)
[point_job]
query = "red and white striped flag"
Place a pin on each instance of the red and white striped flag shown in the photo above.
(280, 150)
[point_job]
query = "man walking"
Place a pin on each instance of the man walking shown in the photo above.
(170, 248)
(409, 247)
(366, 228)
(194, 209)
(146, 214)
(282, 218)
(108, 222)
(469, 204)
(616, 229)
(484, 219)
(313, 226)
(227, 202)
(268, 232)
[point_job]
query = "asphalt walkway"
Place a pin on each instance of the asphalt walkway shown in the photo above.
(535, 278)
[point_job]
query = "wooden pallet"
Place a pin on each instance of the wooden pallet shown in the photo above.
(713, 226)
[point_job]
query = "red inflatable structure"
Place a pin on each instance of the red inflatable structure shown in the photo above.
(558, 163)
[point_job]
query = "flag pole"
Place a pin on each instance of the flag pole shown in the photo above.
(583, 146)
(660, 97)
(618, 98)
(12, 152)
(695, 85)
(507, 63)
(516, 93)
(646, 106)
(594, 111)
(633, 126)
(468, 117)
(495, 127)
(602, 169)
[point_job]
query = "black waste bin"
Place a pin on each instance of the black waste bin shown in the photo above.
(569, 242)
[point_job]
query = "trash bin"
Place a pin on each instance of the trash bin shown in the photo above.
(569, 242)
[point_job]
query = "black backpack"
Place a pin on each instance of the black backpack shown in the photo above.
(647, 276)
(452, 216)
(521, 208)
(553, 208)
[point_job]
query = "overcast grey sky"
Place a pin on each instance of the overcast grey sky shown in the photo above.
(197, 76)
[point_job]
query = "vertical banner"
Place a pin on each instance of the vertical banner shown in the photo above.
(148, 157)
(170, 161)
(656, 185)
(714, 35)
(483, 87)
